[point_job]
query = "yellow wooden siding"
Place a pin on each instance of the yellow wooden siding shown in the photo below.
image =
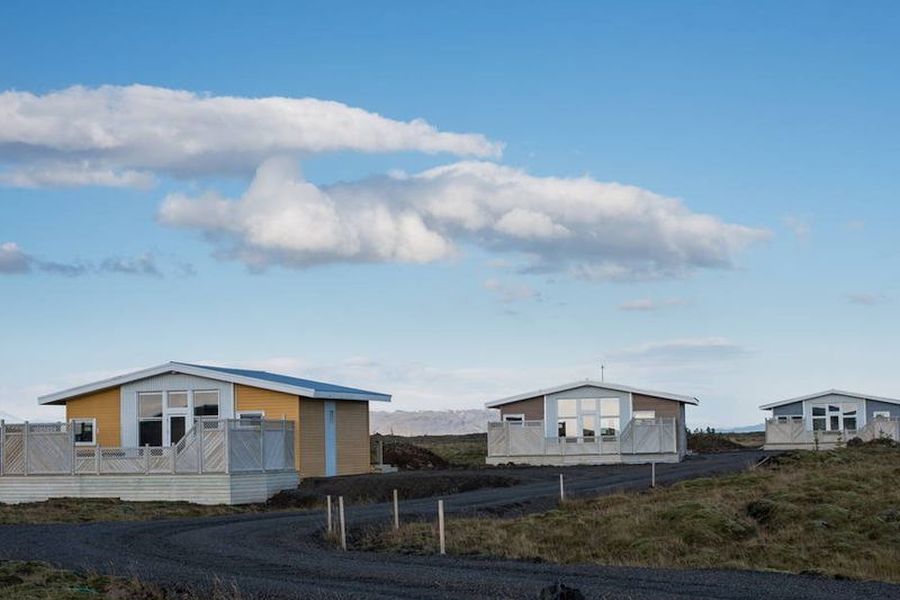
(312, 438)
(352, 431)
(275, 405)
(106, 408)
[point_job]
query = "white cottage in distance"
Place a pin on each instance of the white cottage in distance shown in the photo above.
(826, 419)
(589, 422)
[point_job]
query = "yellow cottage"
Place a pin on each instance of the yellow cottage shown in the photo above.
(183, 431)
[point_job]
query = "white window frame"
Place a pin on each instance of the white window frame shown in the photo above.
(93, 423)
(514, 418)
(885, 414)
(635, 414)
(251, 413)
(193, 404)
(580, 413)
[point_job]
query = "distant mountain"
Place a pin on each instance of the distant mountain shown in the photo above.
(745, 429)
(431, 422)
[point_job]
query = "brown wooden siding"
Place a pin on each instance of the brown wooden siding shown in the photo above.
(663, 408)
(275, 405)
(532, 408)
(352, 431)
(312, 438)
(106, 407)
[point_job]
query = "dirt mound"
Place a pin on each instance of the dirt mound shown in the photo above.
(379, 488)
(711, 442)
(408, 457)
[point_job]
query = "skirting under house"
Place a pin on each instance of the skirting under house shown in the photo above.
(208, 488)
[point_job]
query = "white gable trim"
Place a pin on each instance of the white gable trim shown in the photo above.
(772, 405)
(174, 367)
(597, 384)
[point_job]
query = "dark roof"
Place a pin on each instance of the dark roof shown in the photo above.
(318, 386)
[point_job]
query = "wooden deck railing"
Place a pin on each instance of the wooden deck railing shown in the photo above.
(211, 446)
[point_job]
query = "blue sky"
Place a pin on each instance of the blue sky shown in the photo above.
(752, 258)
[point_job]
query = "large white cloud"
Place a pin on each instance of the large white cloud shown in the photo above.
(590, 228)
(122, 135)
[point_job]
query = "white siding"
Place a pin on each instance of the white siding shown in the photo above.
(834, 399)
(586, 391)
(169, 382)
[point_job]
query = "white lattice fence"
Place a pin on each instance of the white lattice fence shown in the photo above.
(49, 453)
(245, 452)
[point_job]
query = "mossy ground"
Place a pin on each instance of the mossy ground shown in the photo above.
(835, 513)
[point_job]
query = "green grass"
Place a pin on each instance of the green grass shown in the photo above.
(39, 581)
(79, 510)
(834, 513)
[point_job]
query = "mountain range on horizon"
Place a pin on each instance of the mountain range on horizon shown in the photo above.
(462, 421)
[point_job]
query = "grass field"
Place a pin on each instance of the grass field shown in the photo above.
(29, 580)
(834, 513)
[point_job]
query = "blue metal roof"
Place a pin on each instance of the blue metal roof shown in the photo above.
(318, 386)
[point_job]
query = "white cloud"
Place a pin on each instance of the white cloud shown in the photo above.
(511, 292)
(798, 226)
(649, 304)
(13, 259)
(121, 135)
(865, 298)
(590, 228)
(681, 351)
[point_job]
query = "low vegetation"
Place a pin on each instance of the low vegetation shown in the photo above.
(39, 581)
(79, 510)
(834, 513)
(440, 451)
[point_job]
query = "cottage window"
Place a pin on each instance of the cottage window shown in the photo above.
(519, 419)
(206, 403)
(587, 417)
(883, 414)
(84, 431)
(850, 420)
(177, 399)
(644, 414)
(150, 413)
(819, 418)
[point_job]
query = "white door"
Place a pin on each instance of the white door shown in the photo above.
(330, 438)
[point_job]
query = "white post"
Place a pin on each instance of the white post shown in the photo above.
(328, 519)
(97, 459)
(227, 447)
(653, 474)
(2, 445)
(343, 523)
(198, 430)
(562, 489)
(72, 447)
(441, 526)
(25, 447)
(146, 459)
(262, 444)
(396, 511)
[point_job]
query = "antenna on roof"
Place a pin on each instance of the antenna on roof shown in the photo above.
(602, 374)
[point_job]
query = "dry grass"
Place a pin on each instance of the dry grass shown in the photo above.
(835, 513)
(82, 510)
(39, 581)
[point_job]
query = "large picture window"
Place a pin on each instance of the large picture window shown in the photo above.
(587, 417)
(206, 403)
(835, 417)
(150, 413)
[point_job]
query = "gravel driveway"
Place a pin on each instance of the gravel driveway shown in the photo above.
(280, 555)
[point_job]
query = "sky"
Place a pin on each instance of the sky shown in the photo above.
(454, 202)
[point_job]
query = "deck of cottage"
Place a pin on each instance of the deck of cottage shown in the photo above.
(641, 440)
(792, 433)
(221, 461)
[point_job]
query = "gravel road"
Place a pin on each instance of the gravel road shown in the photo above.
(280, 555)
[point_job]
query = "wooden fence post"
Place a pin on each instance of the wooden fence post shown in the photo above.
(198, 430)
(562, 489)
(2, 445)
(396, 511)
(25, 448)
(441, 526)
(328, 519)
(343, 523)
(146, 459)
(653, 474)
(262, 444)
(72, 446)
(226, 442)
